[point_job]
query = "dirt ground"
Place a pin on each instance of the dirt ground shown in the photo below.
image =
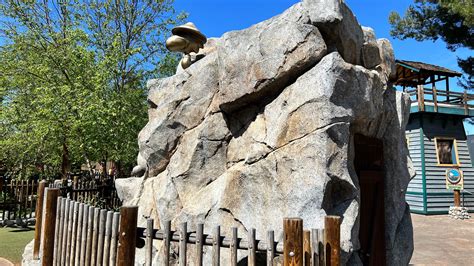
(440, 240)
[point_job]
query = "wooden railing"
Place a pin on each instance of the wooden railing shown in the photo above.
(79, 234)
(437, 98)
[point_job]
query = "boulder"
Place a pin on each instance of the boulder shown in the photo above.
(262, 127)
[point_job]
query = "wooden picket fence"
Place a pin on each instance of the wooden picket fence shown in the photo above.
(17, 200)
(100, 192)
(80, 234)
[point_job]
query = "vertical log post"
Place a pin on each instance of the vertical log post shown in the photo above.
(108, 233)
(166, 242)
(292, 242)
(233, 247)
(183, 231)
(95, 236)
(90, 225)
(82, 253)
(465, 100)
(114, 239)
(38, 216)
(52, 195)
(199, 243)
(322, 251)
(252, 257)
(101, 237)
(435, 98)
(149, 242)
(216, 246)
(56, 229)
(77, 252)
(332, 240)
(127, 236)
(307, 247)
(457, 198)
(73, 232)
(270, 247)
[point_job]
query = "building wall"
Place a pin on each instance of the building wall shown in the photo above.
(414, 195)
(438, 198)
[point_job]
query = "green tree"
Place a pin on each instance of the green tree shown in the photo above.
(449, 20)
(72, 77)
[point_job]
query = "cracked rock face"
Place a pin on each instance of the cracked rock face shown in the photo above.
(263, 126)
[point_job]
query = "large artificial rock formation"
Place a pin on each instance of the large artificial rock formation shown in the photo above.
(263, 128)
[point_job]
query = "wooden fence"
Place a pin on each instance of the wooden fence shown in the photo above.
(17, 200)
(80, 234)
(18, 197)
(97, 192)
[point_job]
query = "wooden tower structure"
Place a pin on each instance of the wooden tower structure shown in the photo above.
(435, 137)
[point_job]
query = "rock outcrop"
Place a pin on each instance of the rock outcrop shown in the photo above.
(262, 128)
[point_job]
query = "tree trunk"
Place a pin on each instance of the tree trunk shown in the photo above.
(65, 164)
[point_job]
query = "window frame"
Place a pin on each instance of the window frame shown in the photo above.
(455, 145)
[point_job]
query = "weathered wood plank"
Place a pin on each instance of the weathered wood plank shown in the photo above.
(77, 251)
(107, 236)
(114, 239)
(64, 236)
(85, 225)
(101, 236)
(95, 236)
(56, 230)
(293, 242)
(332, 240)
(74, 232)
(307, 247)
(90, 227)
(321, 249)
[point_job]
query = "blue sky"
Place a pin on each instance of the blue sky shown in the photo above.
(215, 17)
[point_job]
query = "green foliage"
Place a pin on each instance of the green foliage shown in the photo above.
(449, 20)
(72, 79)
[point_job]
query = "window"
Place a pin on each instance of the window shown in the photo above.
(446, 151)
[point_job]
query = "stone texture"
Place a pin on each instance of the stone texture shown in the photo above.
(262, 128)
(388, 66)
(371, 55)
(339, 27)
(260, 60)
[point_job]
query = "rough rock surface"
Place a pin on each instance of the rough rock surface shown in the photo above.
(262, 128)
